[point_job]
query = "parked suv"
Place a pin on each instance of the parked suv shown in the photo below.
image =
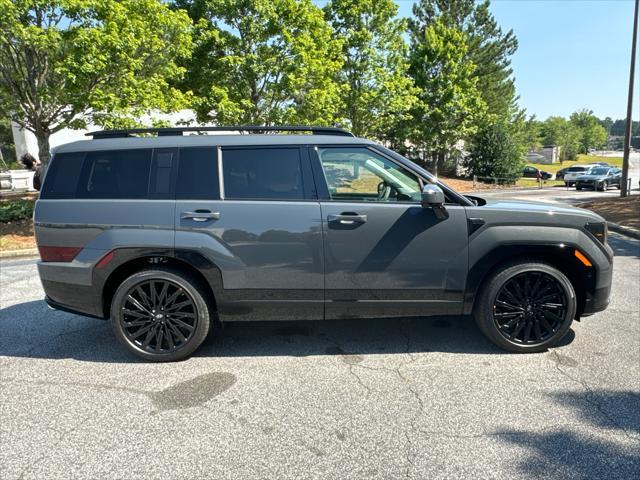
(164, 235)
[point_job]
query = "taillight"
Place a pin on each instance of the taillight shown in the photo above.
(58, 254)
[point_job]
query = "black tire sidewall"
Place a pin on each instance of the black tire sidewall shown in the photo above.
(185, 282)
(483, 312)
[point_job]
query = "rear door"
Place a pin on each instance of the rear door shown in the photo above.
(385, 255)
(253, 212)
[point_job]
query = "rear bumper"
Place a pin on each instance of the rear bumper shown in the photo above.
(68, 287)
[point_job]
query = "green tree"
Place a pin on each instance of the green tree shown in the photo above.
(592, 133)
(489, 48)
(497, 152)
(64, 62)
(377, 93)
(449, 103)
(263, 62)
(562, 133)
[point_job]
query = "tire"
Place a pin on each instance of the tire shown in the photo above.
(168, 336)
(578, 187)
(490, 312)
(567, 184)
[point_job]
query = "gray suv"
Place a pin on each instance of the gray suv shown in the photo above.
(165, 234)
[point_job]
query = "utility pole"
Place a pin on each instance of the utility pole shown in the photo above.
(624, 190)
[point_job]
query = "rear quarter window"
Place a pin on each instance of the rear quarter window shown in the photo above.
(61, 178)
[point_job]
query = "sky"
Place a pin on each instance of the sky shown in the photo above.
(572, 54)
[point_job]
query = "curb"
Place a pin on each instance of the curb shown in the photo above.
(27, 252)
(628, 231)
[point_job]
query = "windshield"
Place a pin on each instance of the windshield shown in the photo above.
(577, 169)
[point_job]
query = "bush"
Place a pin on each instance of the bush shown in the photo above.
(14, 210)
(496, 153)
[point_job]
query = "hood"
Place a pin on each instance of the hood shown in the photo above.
(539, 208)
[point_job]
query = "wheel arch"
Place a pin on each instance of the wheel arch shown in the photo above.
(559, 256)
(205, 272)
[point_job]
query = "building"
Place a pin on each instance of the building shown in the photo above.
(546, 155)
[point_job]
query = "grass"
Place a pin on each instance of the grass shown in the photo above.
(581, 160)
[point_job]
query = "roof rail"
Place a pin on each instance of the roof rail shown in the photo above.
(177, 131)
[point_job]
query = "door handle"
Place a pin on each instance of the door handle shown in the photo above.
(200, 215)
(346, 218)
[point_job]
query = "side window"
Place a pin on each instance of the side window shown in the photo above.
(262, 173)
(198, 174)
(358, 174)
(61, 178)
(115, 174)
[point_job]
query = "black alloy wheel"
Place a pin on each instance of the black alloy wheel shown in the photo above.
(158, 316)
(526, 306)
(161, 314)
(530, 308)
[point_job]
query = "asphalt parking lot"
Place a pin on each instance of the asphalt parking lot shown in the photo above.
(418, 398)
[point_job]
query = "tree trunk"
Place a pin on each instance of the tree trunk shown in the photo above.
(441, 162)
(434, 163)
(42, 136)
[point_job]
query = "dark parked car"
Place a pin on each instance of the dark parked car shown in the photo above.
(533, 172)
(166, 235)
(560, 173)
(599, 178)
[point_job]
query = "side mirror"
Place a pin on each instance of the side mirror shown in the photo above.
(433, 197)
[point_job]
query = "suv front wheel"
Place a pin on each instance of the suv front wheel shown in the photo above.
(160, 315)
(526, 307)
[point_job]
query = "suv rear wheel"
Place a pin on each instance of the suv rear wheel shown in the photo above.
(160, 315)
(526, 307)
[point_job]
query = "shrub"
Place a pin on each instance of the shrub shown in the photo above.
(14, 210)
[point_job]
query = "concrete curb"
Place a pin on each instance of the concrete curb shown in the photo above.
(27, 252)
(621, 229)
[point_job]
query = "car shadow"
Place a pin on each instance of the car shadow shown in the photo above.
(32, 330)
(567, 453)
(623, 247)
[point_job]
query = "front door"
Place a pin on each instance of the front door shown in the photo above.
(386, 255)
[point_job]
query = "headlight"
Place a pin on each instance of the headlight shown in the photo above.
(598, 230)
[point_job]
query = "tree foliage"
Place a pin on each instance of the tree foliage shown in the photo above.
(263, 62)
(497, 152)
(450, 103)
(488, 47)
(591, 133)
(376, 91)
(63, 62)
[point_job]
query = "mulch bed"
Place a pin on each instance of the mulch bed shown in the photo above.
(623, 211)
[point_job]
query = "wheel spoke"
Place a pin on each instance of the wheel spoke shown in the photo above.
(537, 331)
(509, 306)
(181, 324)
(141, 331)
(144, 297)
(138, 305)
(133, 313)
(527, 332)
(159, 335)
(176, 332)
(150, 334)
(178, 306)
(169, 337)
